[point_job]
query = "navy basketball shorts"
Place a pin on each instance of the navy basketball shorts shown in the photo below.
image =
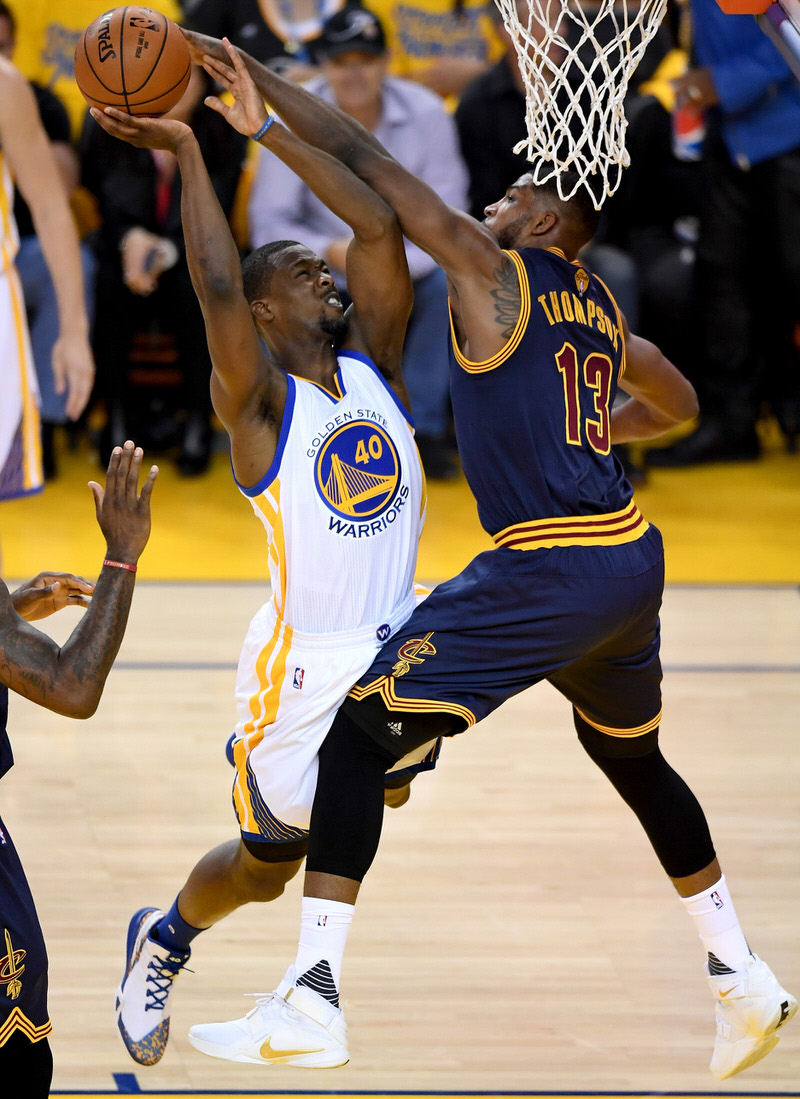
(23, 958)
(584, 618)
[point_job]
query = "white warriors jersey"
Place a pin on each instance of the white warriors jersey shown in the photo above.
(343, 503)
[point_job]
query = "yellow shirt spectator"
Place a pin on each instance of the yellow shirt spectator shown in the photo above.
(439, 43)
(47, 34)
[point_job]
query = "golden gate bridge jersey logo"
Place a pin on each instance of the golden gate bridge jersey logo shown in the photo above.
(357, 471)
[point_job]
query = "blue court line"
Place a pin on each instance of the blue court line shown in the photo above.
(125, 1077)
(126, 1082)
(496, 1094)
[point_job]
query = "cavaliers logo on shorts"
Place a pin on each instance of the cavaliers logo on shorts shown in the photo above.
(413, 652)
(12, 966)
(357, 471)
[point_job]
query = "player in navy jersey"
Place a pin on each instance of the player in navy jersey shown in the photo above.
(571, 592)
(68, 679)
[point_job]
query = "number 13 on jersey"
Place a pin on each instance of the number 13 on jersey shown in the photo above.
(595, 374)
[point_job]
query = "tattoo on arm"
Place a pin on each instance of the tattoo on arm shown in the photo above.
(507, 298)
(69, 678)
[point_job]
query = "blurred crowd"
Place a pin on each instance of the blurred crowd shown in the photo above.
(697, 245)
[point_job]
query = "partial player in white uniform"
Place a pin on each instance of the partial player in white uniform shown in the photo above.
(322, 444)
(20, 446)
(26, 159)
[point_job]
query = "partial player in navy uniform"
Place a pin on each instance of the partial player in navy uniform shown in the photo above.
(68, 679)
(571, 593)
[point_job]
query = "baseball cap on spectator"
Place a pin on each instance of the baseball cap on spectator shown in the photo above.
(352, 29)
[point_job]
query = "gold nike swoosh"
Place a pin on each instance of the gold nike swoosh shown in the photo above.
(270, 1054)
(722, 994)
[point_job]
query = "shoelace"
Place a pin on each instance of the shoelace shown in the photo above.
(160, 976)
(262, 1000)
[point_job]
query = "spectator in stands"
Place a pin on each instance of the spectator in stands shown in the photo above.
(413, 124)
(443, 44)
(142, 274)
(747, 290)
(282, 33)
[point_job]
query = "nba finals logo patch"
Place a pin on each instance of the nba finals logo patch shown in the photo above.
(582, 281)
(411, 652)
(357, 474)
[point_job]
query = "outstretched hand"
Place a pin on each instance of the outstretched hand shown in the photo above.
(247, 113)
(141, 130)
(202, 45)
(50, 592)
(122, 511)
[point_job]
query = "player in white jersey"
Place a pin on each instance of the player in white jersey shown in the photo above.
(321, 443)
(27, 159)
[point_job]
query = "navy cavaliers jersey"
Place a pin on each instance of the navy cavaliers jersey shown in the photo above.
(533, 422)
(23, 957)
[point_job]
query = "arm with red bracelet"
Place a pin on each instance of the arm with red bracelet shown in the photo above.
(70, 678)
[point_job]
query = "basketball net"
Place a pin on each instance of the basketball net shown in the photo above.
(576, 59)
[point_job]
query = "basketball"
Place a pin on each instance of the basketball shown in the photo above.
(134, 59)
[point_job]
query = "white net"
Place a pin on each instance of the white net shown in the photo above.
(576, 59)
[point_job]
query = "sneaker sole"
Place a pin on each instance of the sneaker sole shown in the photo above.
(768, 1043)
(752, 1058)
(315, 1059)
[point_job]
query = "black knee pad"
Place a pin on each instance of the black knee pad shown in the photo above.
(665, 806)
(347, 814)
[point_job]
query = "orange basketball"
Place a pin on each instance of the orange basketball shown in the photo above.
(134, 59)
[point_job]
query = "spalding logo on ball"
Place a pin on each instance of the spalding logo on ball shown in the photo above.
(134, 59)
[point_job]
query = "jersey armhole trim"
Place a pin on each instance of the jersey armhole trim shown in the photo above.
(513, 340)
(286, 423)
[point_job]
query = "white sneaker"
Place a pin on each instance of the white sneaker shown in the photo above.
(751, 1007)
(291, 1026)
(143, 995)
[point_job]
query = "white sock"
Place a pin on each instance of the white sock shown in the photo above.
(324, 926)
(718, 927)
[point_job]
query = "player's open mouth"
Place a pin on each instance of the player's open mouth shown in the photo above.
(334, 299)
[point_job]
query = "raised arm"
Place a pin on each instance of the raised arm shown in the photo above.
(458, 243)
(241, 371)
(69, 679)
(662, 397)
(377, 273)
(38, 177)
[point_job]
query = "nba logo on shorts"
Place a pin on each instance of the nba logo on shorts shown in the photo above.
(382, 632)
(297, 682)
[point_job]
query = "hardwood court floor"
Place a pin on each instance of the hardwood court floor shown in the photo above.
(515, 935)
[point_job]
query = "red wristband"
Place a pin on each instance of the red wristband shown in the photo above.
(119, 565)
